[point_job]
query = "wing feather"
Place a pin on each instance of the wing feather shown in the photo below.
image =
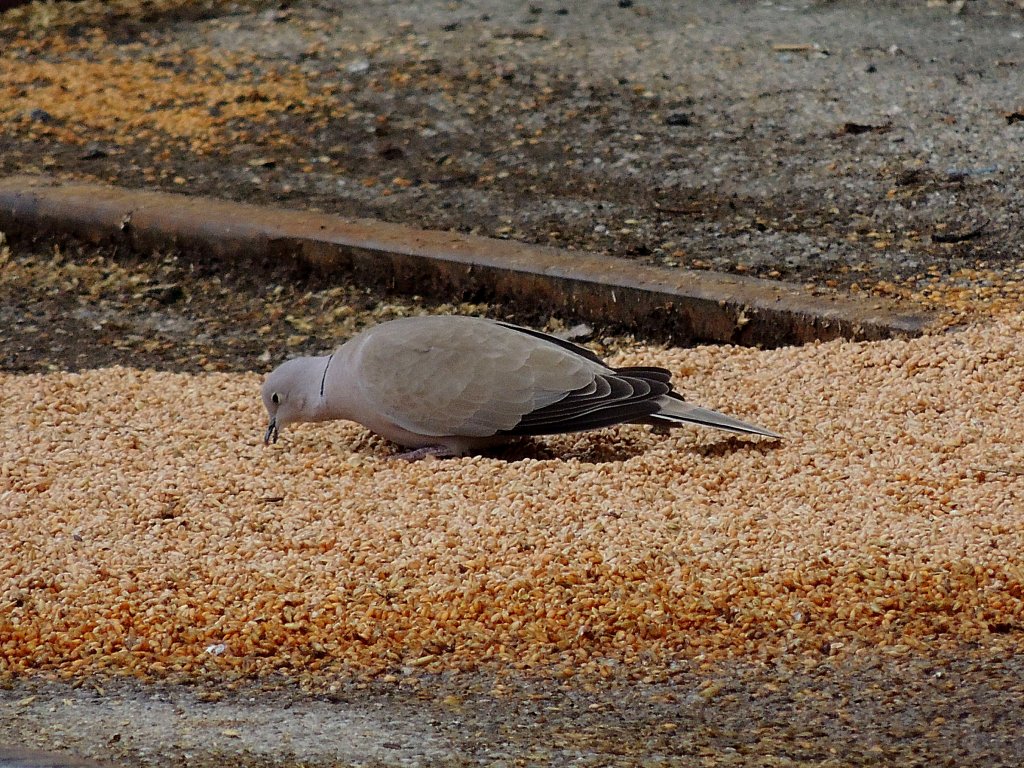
(624, 398)
(441, 376)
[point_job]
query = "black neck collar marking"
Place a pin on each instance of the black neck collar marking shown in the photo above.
(324, 379)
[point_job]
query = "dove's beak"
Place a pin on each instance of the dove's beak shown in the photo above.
(271, 433)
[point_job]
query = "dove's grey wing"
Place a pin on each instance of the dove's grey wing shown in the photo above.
(564, 344)
(612, 398)
(441, 376)
(448, 376)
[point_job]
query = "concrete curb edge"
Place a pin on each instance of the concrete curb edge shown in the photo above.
(681, 305)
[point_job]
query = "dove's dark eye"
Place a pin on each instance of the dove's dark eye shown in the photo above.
(275, 399)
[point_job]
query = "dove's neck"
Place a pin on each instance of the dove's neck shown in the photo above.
(338, 393)
(315, 400)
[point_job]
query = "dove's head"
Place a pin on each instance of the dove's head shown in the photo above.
(285, 395)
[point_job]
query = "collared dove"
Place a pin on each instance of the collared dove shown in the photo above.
(448, 385)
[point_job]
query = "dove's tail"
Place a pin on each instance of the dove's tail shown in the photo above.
(675, 411)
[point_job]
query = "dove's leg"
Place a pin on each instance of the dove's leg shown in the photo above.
(439, 451)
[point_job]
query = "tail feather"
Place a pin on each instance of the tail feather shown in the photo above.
(675, 411)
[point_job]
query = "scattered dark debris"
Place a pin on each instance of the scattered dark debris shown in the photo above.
(911, 177)
(679, 119)
(856, 129)
(962, 235)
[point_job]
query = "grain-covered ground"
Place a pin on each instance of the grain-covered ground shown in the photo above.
(851, 594)
(152, 525)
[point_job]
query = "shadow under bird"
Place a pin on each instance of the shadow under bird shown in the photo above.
(451, 385)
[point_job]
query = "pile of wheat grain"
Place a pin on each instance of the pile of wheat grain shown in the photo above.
(144, 528)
